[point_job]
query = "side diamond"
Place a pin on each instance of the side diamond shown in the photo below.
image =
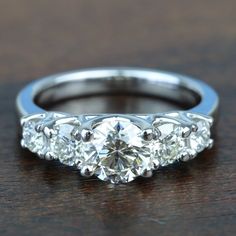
(168, 147)
(198, 139)
(183, 136)
(33, 140)
(63, 145)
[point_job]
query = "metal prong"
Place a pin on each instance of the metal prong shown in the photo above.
(41, 155)
(186, 157)
(186, 131)
(39, 128)
(22, 142)
(49, 132)
(22, 122)
(147, 173)
(211, 121)
(194, 128)
(156, 165)
(49, 156)
(210, 144)
(148, 135)
(86, 135)
(86, 171)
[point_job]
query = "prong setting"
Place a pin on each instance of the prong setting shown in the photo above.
(147, 173)
(148, 134)
(186, 131)
(86, 135)
(86, 171)
(49, 132)
(39, 128)
(156, 164)
(22, 142)
(96, 144)
(210, 144)
(194, 128)
(186, 157)
(49, 156)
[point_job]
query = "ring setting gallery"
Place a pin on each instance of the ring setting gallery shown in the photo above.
(117, 147)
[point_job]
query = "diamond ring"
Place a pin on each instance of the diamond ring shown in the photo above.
(117, 147)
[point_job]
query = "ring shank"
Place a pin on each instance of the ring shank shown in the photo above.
(117, 81)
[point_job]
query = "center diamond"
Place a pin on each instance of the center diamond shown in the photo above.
(117, 151)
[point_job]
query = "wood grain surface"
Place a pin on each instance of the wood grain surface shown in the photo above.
(192, 37)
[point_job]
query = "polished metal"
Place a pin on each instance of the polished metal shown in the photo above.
(171, 86)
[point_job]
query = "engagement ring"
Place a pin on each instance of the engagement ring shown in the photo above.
(117, 147)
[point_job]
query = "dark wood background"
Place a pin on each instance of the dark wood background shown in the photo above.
(192, 37)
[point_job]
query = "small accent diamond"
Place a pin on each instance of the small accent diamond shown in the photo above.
(63, 145)
(169, 146)
(200, 139)
(33, 140)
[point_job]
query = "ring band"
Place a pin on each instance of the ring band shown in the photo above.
(117, 147)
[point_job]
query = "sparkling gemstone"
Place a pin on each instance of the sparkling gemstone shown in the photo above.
(33, 140)
(117, 151)
(199, 140)
(169, 146)
(63, 145)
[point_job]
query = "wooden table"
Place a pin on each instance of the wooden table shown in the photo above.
(191, 37)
